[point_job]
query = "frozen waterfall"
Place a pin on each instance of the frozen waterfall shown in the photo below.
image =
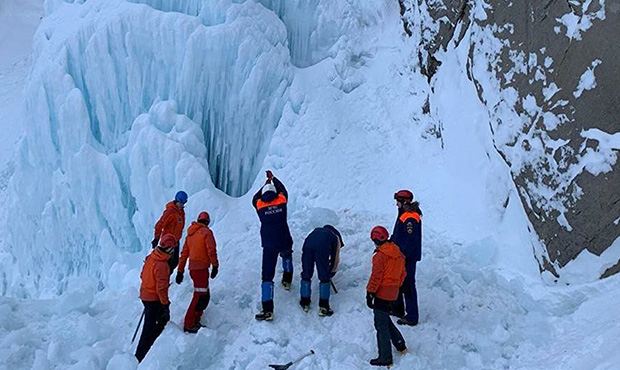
(114, 63)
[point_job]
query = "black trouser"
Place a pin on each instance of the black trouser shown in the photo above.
(386, 330)
(154, 324)
(408, 296)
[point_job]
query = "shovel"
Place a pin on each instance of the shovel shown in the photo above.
(284, 367)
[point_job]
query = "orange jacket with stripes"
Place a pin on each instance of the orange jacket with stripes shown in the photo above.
(199, 248)
(388, 272)
(171, 221)
(155, 277)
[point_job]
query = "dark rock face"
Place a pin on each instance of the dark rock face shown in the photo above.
(559, 75)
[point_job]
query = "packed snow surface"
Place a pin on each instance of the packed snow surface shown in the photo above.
(127, 102)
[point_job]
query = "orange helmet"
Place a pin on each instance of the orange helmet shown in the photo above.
(379, 234)
(204, 216)
(168, 241)
(404, 196)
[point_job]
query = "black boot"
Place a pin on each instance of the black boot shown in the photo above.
(401, 347)
(287, 279)
(267, 312)
(264, 316)
(379, 362)
(407, 322)
(192, 330)
(324, 309)
(304, 302)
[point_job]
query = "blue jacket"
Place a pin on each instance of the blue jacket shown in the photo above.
(274, 231)
(323, 242)
(407, 232)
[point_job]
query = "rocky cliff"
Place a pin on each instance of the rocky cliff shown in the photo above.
(548, 72)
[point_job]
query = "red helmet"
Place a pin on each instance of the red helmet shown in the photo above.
(204, 216)
(168, 241)
(379, 234)
(404, 196)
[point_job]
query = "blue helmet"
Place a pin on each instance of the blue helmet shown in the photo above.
(181, 197)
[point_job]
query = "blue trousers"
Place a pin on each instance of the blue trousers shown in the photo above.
(387, 333)
(408, 295)
(309, 258)
(270, 260)
(320, 258)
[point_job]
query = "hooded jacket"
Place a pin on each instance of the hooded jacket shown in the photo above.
(154, 276)
(388, 272)
(199, 247)
(171, 221)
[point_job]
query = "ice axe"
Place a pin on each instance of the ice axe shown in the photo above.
(140, 323)
(137, 328)
(284, 367)
(334, 287)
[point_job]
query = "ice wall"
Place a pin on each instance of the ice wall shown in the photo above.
(108, 63)
(315, 27)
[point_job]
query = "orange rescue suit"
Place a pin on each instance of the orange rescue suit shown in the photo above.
(171, 221)
(199, 247)
(388, 272)
(154, 276)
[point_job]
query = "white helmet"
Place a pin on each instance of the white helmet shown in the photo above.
(268, 187)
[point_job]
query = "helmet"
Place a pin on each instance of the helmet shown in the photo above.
(268, 187)
(379, 234)
(404, 196)
(181, 197)
(204, 216)
(168, 241)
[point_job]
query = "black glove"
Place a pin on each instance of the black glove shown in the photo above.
(179, 278)
(370, 300)
(155, 242)
(214, 272)
(332, 274)
(165, 313)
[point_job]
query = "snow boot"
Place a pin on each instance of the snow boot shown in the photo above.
(192, 330)
(405, 321)
(287, 274)
(401, 348)
(325, 311)
(379, 362)
(304, 302)
(287, 279)
(264, 316)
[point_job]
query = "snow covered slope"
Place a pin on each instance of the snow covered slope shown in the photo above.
(130, 101)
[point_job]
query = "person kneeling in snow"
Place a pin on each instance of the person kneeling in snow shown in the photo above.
(321, 247)
(388, 274)
(154, 293)
(270, 204)
(172, 221)
(200, 248)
